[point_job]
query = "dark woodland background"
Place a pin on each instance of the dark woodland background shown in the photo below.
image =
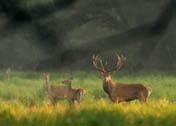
(63, 34)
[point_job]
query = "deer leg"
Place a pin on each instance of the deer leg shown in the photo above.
(119, 100)
(78, 101)
(142, 98)
(74, 101)
(53, 101)
(71, 102)
(114, 99)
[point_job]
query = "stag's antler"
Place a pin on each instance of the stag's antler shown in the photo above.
(120, 61)
(97, 60)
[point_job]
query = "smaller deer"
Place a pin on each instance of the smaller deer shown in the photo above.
(120, 92)
(73, 94)
(55, 92)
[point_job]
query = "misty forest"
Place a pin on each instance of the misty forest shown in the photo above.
(88, 62)
(54, 33)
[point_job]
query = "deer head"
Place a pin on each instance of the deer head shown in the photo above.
(105, 72)
(68, 82)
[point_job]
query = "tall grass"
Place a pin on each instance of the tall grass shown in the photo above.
(23, 101)
(100, 113)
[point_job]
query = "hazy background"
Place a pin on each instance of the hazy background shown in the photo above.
(63, 34)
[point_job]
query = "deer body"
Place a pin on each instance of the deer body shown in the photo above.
(55, 92)
(119, 92)
(73, 94)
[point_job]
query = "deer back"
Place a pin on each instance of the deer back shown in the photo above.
(127, 92)
(58, 91)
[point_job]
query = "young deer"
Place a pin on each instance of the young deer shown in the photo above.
(119, 92)
(55, 92)
(73, 94)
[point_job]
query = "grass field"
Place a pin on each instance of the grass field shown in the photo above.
(23, 101)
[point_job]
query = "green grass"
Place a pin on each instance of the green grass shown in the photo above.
(23, 101)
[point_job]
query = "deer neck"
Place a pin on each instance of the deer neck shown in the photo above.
(107, 84)
(69, 87)
(47, 84)
(108, 80)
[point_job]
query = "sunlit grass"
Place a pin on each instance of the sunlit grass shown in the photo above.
(99, 112)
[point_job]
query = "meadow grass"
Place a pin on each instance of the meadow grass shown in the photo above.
(23, 101)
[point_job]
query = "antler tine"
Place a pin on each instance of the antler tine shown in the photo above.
(123, 57)
(96, 59)
(101, 63)
(120, 61)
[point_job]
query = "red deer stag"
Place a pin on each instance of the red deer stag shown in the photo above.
(55, 92)
(119, 92)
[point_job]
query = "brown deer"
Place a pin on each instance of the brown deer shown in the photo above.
(54, 92)
(119, 92)
(72, 93)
